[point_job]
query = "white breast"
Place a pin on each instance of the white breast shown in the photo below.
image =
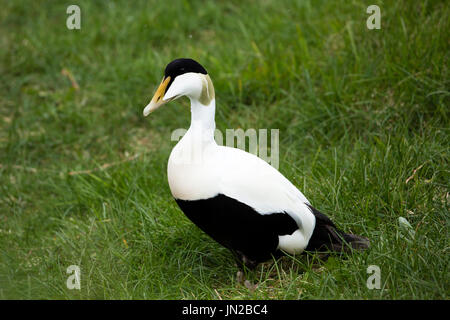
(192, 171)
(210, 169)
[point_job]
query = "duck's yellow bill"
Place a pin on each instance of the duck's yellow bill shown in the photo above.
(157, 100)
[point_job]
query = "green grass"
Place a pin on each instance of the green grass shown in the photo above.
(358, 111)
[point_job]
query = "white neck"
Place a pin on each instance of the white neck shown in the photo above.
(202, 121)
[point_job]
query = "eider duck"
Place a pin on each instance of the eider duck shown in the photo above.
(235, 197)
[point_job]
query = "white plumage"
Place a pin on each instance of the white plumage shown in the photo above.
(198, 168)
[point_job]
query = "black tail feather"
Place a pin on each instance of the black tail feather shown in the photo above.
(327, 237)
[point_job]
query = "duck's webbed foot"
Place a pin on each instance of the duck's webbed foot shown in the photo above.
(240, 277)
(244, 262)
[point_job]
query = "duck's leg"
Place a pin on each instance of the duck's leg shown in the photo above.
(244, 262)
(240, 276)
